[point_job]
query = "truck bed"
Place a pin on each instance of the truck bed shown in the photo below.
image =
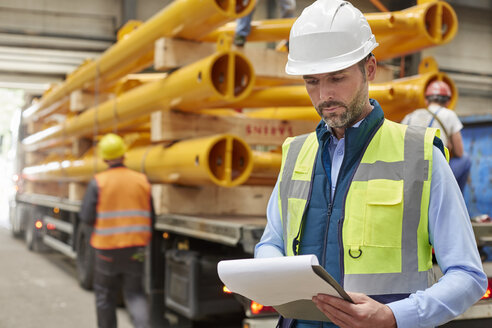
(242, 231)
(228, 230)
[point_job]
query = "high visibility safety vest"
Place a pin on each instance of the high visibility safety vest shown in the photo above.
(385, 241)
(123, 210)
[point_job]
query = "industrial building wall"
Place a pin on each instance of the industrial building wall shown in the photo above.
(42, 41)
(88, 19)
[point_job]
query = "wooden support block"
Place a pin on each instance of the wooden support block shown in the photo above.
(76, 190)
(171, 53)
(211, 200)
(268, 63)
(80, 100)
(80, 146)
(33, 158)
(58, 189)
(175, 125)
(384, 73)
(30, 127)
(33, 126)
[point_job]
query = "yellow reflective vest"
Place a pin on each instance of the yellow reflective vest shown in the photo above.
(385, 240)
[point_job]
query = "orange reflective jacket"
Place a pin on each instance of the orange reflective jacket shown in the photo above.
(123, 210)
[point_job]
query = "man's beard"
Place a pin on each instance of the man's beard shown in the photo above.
(349, 116)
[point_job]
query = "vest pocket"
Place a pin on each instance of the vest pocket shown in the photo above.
(302, 172)
(384, 213)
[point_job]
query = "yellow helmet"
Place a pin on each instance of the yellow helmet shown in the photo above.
(111, 146)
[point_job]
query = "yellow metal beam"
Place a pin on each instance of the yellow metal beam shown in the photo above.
(213, 81)
(224, 160)
(189, 19)
(402, 96)
(397, 98)
(265, 168)
(413, 29)
(398, 33)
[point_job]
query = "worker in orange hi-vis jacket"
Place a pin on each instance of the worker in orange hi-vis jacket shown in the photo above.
(118, 205)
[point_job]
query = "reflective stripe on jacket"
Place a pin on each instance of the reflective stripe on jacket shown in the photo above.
(123, 209)
(385, 243)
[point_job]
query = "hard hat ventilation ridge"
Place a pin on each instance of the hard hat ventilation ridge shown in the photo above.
(336, 12)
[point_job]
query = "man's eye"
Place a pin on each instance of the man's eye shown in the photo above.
(337, 78)
(311, 81)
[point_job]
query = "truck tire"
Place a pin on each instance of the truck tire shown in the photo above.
(32, 236)
(85, 257)
(16, 221)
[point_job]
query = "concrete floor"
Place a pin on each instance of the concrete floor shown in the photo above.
(41, 290)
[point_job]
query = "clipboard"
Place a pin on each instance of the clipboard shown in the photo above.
(285, 283)
(306, 309)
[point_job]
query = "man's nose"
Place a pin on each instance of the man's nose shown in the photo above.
(325, 91)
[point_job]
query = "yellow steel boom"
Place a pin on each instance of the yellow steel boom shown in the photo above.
(189, 19)
(224, 160)
(398, 33)
(214, 81)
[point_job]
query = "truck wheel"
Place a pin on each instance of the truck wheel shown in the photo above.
(85, 257)
(33, 236)
(16, 221)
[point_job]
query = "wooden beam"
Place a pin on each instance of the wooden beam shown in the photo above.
(81, 99)
(76, 190)
(268, 63)
(211, 200)
(176, 125)
(55, 188)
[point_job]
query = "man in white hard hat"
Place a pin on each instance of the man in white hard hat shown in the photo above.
(369, 197)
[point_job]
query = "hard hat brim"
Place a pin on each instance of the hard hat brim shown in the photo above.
(330, 65)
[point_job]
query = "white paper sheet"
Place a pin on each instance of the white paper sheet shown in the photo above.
(274, 281)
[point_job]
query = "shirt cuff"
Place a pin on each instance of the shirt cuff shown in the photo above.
(405, 312)
(266, 251)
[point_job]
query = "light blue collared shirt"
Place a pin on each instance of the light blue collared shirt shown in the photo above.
(450, 233)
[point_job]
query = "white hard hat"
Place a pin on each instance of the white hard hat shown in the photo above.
(329, 35)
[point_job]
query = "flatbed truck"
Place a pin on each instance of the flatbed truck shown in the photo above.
(181, 272)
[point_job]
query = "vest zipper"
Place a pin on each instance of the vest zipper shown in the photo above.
(330, 207)
(342, 218)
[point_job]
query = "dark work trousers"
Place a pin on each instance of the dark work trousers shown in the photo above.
(116, 270)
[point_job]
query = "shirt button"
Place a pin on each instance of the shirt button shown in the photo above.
(340, 152)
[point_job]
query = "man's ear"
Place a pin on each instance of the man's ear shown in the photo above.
(371, 67)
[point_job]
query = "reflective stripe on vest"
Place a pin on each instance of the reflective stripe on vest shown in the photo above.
(386, 242)
(294, 184)
(396, 254)
(123, 210)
